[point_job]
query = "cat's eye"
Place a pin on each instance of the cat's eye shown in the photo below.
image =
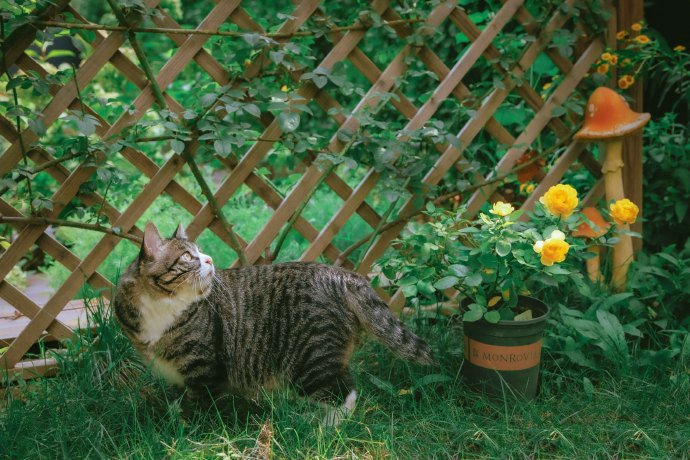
(186, 257)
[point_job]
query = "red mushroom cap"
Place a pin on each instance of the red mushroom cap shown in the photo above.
(609, 116)
(584, 230)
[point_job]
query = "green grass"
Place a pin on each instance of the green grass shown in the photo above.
(104, 403)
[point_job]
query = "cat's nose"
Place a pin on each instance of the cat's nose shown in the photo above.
(208, 260)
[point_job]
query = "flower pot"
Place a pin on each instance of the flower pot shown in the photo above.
(504, 358)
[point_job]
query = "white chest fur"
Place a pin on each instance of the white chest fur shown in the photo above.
(157, 315)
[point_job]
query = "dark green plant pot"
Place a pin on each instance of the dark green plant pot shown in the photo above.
(504, 358)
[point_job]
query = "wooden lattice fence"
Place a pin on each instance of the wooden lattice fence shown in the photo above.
(107, 49)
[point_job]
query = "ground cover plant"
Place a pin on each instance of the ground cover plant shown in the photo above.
(616, 365)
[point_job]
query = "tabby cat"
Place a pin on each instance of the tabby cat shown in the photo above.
(241, 330)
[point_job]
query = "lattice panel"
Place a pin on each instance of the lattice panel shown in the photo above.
(108, 48)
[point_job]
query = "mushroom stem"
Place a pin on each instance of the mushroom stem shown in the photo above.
(613, 182)
(593, 265)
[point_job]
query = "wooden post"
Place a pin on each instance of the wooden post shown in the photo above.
(627, 13)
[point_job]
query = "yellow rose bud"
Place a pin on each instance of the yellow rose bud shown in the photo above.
(636, 27)
(553, 251)
(530, 188)
(284, 88)
(642, 39)
(546, 85)
(501, 209)
(557, 235)
(538, 246)
(560, 200)
(624, 211)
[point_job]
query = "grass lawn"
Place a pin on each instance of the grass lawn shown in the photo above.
(104, 403)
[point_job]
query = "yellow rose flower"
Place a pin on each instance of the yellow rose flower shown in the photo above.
(636, 27)
(622, 35)
(284, 88)
(614, 59)
(560, 200)
(642, 39)
(501, 209)
(623, 83)
(679, 48)
(624, 211)
(553, 250)
(603, 68)
(606, 56)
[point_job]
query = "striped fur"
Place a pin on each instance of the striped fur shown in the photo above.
(254, 327)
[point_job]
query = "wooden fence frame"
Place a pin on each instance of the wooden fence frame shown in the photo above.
(44, 319)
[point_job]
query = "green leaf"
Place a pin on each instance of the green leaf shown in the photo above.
(177, 146)
(492, 316)
(383, 385)
(252, 109)
(459, 270)
(409, 291)
(446, 282)
(503, 248)
(223, 147)
(587, 386)
(475, 279)
(288, 121)
(472, 315)
(408, 280)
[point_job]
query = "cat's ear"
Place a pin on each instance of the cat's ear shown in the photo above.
(152, 241)
(180, 233)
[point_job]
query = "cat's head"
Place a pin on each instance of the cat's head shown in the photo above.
(173, 267)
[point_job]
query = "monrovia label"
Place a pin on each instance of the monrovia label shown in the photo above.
(502, 358)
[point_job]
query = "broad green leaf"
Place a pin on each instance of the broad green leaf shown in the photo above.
(492, 316)
(177, 145)
(472, 315)
(446, 282)
(409, 291)
(459, 270)
(407, 280)
(475, 279)
(288, 121)
(503, 248)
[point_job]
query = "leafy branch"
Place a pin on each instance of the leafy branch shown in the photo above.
(185, 154)
(35, 220)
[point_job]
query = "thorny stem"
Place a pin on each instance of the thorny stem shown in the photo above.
(35, 220)
(186, 155)
(18, 119)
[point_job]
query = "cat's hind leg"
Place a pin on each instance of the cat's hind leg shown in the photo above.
(334, 389)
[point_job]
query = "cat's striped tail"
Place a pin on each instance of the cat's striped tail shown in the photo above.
(379, 321)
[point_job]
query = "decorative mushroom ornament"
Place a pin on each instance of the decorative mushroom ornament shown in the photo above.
(608, 119)
(584, 230)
